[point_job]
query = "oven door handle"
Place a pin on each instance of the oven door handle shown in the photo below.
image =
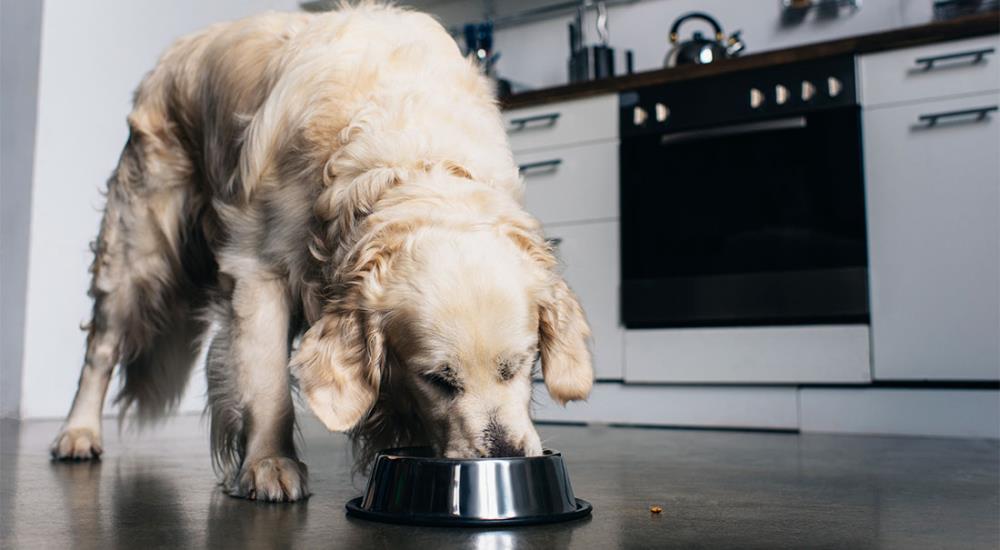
(790, 123)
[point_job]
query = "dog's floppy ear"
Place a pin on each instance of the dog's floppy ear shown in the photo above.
(563, 338)
(340, 359)
(563, 332)
(339, 366)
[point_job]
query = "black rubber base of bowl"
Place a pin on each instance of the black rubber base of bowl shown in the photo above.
(583, 508)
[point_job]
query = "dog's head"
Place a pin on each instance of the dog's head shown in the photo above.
(445, 323)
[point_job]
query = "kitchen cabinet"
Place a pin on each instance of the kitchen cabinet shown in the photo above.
(572, 184)
(589, 253)
(564, 123)
(933, 193)
(937, 70)
(568, 154)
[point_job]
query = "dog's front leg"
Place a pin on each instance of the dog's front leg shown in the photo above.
(250, 399)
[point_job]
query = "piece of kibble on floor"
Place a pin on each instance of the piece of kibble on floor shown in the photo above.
(655, 509)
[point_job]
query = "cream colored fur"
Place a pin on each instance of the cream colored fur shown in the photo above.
(346, 177)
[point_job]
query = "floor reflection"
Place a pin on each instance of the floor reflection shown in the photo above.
(141, 505)
(368, 534)
(556, 536)
(147, 508)
(80, 488)
(10, 443)
(238, 523)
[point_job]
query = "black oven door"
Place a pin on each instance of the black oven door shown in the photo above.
(755, 223)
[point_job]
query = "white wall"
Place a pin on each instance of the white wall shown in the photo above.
(93, 55)
(19, 42)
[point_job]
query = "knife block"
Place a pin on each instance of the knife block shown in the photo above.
(591, 63)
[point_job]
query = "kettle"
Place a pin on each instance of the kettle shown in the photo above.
(698, 49)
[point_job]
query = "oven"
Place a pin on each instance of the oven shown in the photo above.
(742, 199)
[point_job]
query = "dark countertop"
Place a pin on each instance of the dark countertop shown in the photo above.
(939, 31)
(718, 489)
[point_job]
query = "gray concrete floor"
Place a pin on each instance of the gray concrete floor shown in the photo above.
(717, 489)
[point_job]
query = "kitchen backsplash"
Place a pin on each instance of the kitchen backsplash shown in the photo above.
(535, 54)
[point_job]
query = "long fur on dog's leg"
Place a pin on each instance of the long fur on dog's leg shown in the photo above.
(253, 419)
(136, 275)
(225, 407)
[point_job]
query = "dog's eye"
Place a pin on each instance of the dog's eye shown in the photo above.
(441, 382)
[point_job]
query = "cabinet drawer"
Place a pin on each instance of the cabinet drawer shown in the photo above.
(571, 184)
(935, 71)
(563, 123)
(589, 254)
(933, 195)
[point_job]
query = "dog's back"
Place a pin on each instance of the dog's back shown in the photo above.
(246, 94)
(265, 123)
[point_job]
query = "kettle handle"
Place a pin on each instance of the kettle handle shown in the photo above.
(719, 35)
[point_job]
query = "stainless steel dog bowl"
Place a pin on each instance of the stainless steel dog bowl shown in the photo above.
(411, 486)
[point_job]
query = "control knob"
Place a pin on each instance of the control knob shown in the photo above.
(639, 116)
(780, 94)
(808, 90)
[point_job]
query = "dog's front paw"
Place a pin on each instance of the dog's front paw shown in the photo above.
(274, 479)
(77, 444)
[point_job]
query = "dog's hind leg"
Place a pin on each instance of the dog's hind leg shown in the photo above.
(253, 418)
(137, 277)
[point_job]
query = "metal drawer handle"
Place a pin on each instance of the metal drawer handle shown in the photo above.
(981, 114)
(518, 124)
(976, 55)
(540, 166)
(554, 242)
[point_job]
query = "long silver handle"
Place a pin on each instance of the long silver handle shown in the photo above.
(542, 165)
(927, 63)
(980, 114)
(518, 124)
(790, 123)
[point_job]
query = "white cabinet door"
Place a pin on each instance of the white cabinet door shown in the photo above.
(934, 237)
(928, 72)
(563, 123)
(571, 184)
(589, 253)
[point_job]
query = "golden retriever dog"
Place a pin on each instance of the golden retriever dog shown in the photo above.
(335, 197)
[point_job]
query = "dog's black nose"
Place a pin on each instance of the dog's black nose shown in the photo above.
(498, 442)
(505, 447)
